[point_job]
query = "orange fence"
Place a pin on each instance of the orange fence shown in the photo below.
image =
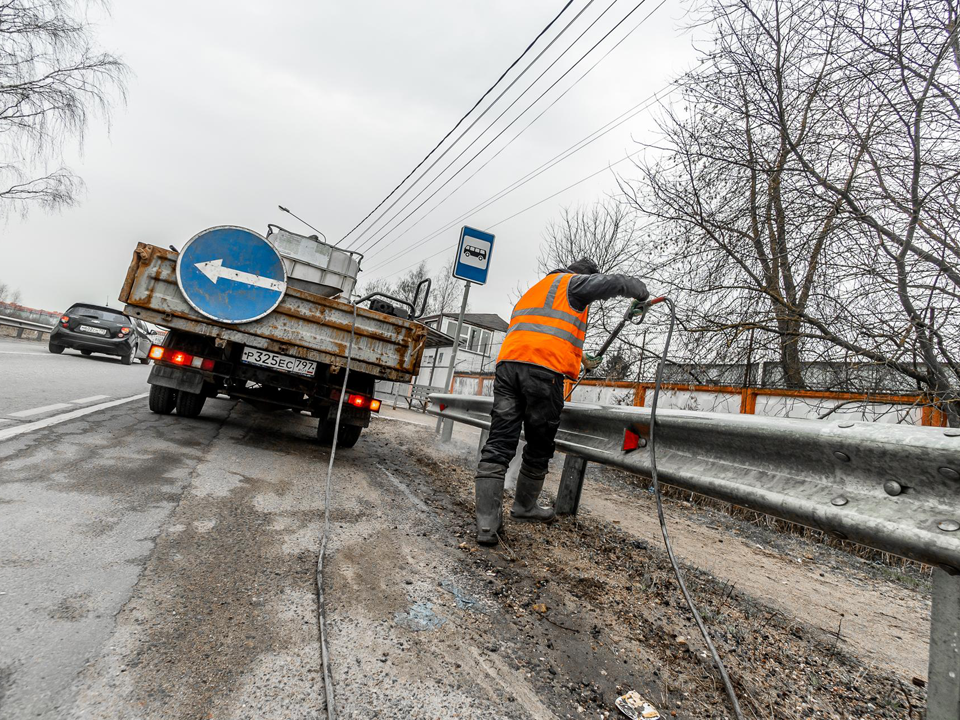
(930, 414)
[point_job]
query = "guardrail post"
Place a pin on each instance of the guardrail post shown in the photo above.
(19, 332)
(943, 696)
(571, 485)
(484, 436)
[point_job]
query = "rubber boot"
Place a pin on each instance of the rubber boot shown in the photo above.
(525, 506)
(489, 502)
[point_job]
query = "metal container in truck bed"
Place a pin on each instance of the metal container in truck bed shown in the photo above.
(303, 325)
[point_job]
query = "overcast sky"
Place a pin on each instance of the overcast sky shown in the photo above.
(236, 106)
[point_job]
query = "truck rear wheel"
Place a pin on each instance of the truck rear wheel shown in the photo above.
(190, 404)
(162, 399)
(346, 438)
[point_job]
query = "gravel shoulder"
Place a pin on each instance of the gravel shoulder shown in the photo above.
(554, 623)
(608, 582)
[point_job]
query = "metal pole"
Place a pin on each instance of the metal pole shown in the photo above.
(943, 696)
(448, 425)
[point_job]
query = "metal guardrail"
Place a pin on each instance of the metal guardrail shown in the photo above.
(894, 488)
(22, 325)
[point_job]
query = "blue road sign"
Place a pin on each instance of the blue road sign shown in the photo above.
(473, 255)
(231, 274)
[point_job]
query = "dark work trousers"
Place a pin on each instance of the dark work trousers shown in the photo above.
(530, 397)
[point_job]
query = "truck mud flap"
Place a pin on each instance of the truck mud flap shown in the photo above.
(190, 381)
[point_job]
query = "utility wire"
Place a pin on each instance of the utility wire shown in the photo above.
(528, 125)
(511, 123)
(529, 207)
(533, 174)
(452, 145)
(475, 106)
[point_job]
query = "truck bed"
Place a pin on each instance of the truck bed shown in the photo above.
(303, 325)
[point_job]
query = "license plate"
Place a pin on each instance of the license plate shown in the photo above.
(95, 331)
(263, 358)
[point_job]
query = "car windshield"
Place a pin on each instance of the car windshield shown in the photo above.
(98, 313)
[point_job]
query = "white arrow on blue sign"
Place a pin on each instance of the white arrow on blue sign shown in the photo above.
(231, 274)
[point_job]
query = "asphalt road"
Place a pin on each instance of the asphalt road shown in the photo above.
(35, 383)
(157, 567)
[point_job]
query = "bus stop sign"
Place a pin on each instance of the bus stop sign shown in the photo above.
(473, 255)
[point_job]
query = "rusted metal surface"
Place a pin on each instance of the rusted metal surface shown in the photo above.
(303, 325)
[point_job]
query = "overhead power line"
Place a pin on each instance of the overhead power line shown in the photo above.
(508, 126)
(453, 144)
(527, 127)
(629, 114)
(467, 114)
(521, 212)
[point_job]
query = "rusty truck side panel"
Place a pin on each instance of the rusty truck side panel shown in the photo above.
(303, 325)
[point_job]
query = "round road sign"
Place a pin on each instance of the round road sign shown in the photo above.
(231, 274)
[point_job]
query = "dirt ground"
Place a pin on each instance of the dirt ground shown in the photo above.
(594, 609)
(422, 624)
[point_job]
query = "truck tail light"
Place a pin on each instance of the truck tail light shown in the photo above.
(178, 357)
(362, 401)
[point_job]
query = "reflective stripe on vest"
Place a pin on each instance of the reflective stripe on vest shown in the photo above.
(545, 330)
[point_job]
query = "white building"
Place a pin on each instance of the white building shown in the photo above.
(480, 340)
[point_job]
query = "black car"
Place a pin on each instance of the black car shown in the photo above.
(93, 328)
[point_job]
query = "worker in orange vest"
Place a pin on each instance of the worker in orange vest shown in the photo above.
(544, 345)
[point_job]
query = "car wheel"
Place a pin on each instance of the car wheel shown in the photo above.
(190, 404)
(55, 349)
(162, 399)
(128, 358)
(87, 353)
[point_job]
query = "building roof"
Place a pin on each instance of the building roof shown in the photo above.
(487, 321)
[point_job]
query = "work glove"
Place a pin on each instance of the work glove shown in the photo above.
(590, 363)
(640, 291)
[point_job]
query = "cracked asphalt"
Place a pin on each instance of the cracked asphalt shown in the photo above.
(156, 567)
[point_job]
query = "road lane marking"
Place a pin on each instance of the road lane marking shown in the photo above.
(38, 411)
(92, 398)
(38, 353)
(57, 419)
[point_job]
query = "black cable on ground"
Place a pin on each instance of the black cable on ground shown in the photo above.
(324, 652)
(728, 686)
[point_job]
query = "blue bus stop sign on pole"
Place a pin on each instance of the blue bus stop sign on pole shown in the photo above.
(231, 274)
(473, 255)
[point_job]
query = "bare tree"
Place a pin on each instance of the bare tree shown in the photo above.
(603, 231)
(8, 293)
(810, 188)
(51, 81)
(446, 292)
(606, 232)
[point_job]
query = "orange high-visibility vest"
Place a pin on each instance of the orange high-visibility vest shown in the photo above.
(545, 330)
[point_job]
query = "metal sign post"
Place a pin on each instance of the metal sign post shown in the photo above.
(472, 265)
(448, 424)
